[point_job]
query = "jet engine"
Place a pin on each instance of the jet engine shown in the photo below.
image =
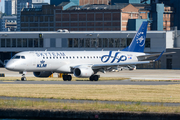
(83, 72)
(42, 74)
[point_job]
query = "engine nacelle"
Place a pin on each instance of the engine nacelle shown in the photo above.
(83, 72)
(42, 74)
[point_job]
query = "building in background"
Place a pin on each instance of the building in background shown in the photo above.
(38, 19)
(11, 7)
(86, 18)
(20, 5)
(8, 7)
(9, 23)
(37, 1)
(71, 3)
(38, 5)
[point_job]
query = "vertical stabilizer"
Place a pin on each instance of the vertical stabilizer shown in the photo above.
(138, 42)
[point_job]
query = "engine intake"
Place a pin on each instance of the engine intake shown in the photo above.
(42, 74)
(83, 72)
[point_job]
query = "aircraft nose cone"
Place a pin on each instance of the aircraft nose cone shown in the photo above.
(9, 66)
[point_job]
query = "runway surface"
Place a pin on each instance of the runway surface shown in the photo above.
(114, 82)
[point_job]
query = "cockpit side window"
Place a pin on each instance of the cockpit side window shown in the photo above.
(22, 57)
(16, 57)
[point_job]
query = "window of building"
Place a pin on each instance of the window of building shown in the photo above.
(99, 24)
(70, 42)
(93, 42)
(82, 17)
(51, 18)
(24, 42)
(90, 17)
(30, 43)
(36, 18)
(117, 42)
(75, 42)
(19, 43)
(148, 43)
(107, 16)
(58, 17)
(46, 18)
(13, 42)
(107, 23)
(74, 17)
(99, 42)
(82, 24)
(116, 16)
(129, 40)
(99, 16)
(65, 24)
(123, 42)
(35, 42)
(105, 42)
(41, 18)
(31, 18)
(90, 24)
(51, 24)
(41, 43)
(111, 43)
(87, 42)
(65, 17)
(52, 42)
(8, 42)
(81, 42)
(74, 24)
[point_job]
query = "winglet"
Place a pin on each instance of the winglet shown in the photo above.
(158, 57)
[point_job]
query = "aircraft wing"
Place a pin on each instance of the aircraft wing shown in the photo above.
(153, 55)
(98, 66)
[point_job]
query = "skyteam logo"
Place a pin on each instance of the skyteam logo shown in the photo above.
(106, 58)
(42, 65)
(140, 38)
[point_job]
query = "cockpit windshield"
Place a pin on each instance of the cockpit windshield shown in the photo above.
(18, 57)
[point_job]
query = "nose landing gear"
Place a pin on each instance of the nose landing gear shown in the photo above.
(23, 78)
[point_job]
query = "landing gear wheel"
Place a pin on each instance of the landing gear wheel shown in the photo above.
(23, 79)
(67, 77)
(94, 78)
(91, 78)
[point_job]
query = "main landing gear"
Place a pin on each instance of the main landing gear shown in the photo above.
(94, 77)
(67, 77)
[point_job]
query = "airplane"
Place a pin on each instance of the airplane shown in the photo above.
(82, 64)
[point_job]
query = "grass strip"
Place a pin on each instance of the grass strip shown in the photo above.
(143, 93)
(58, 79)
(44, 105)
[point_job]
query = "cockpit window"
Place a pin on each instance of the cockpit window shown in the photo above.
(16, 57)
(22, 57)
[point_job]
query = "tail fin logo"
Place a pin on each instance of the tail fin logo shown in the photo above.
(140, 39)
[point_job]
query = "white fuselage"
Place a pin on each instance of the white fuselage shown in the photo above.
(62, 61)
